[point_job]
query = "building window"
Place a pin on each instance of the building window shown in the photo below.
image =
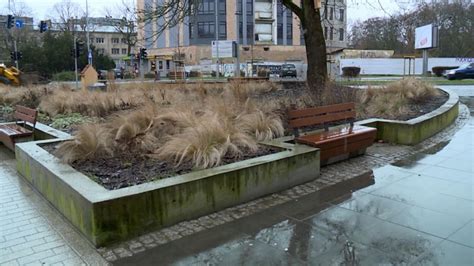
(289, 31)
(250, 31)
(341, 14)
(167, 64)
(280, 30)
(331, 34)
(206, 7)
(115, 40)
(206, 29)
(222, 30)
(249, 7)
(99, 40)
(124, 40)
(325, 11)
(124, 50)
(192, 31)
(331, 13)
(115, 51)
(326, 33)
(101, 51)
(222, 7)
(341, 34)
(160, 65)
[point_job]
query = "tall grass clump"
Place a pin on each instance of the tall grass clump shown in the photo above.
(195, 132)
(90, 141)
(393, 100)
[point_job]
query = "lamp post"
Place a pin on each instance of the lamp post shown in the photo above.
(89, 53)
(216, 10)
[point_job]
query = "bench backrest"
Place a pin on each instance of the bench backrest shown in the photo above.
(25, 114)
(321, 115)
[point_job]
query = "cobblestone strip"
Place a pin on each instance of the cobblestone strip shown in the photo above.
(378, 155)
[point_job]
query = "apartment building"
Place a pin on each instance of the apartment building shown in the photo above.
(265, 30)
(109, 37)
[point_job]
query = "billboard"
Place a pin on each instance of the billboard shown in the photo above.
(226, 49)
(426, 37)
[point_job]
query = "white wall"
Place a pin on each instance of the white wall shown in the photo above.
(394, 66)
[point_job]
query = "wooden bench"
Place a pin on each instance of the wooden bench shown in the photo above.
(18, 132)
(337, 143)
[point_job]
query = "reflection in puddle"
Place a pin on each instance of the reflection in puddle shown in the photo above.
(411, 161)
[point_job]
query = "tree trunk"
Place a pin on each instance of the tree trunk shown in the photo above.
(315, 49)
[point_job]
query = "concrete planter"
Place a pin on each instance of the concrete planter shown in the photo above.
(105, 216)
(416, 130)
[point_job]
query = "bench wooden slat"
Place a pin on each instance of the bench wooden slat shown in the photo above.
(294, 114)
(25, 114)
(313, 120)
(336, 143)
(335, 147)
(351, 147)
(15, 132)
(358, 132)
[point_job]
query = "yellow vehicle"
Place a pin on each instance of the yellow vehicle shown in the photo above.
(9, 75)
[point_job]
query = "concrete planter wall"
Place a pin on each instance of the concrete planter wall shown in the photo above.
(105, 216)
(416, 130)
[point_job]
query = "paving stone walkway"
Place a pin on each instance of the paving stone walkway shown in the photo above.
(31, 231)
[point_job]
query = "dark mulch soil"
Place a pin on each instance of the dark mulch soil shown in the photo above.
(128, 170)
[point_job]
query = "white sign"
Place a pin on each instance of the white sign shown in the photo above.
(226, 49)
(424, 38)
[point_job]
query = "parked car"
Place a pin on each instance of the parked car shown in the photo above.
(118, 73)
(465, 71)
(288, 70)
(102, 74)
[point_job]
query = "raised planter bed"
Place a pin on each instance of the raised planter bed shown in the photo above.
(416, 130)
(105, 216)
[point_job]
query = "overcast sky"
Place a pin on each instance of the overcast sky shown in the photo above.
(357, 9)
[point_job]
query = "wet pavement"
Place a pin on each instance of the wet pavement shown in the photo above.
(31, 231)
(419, 211)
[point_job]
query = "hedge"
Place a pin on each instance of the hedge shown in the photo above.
(350, 71)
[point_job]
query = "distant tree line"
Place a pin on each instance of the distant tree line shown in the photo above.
(53, 53)
(455, 20)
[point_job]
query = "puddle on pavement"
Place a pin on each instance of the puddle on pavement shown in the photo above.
(412, 161)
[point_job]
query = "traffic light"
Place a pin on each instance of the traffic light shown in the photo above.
(79, 48)
(10, 21)
(16, 56)
(43, 26)
(143, 53)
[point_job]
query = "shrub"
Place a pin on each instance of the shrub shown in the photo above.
(194, 74)
(439, 70)
(64, 76)
(127, 75)
(64, 121)
(350, 71)
(149, 75)
(6, 109)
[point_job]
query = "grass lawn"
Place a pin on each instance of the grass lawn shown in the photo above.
(433, 80)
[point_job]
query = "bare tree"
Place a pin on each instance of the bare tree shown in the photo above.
(167, 14)
(64, 13)
(127, 24)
